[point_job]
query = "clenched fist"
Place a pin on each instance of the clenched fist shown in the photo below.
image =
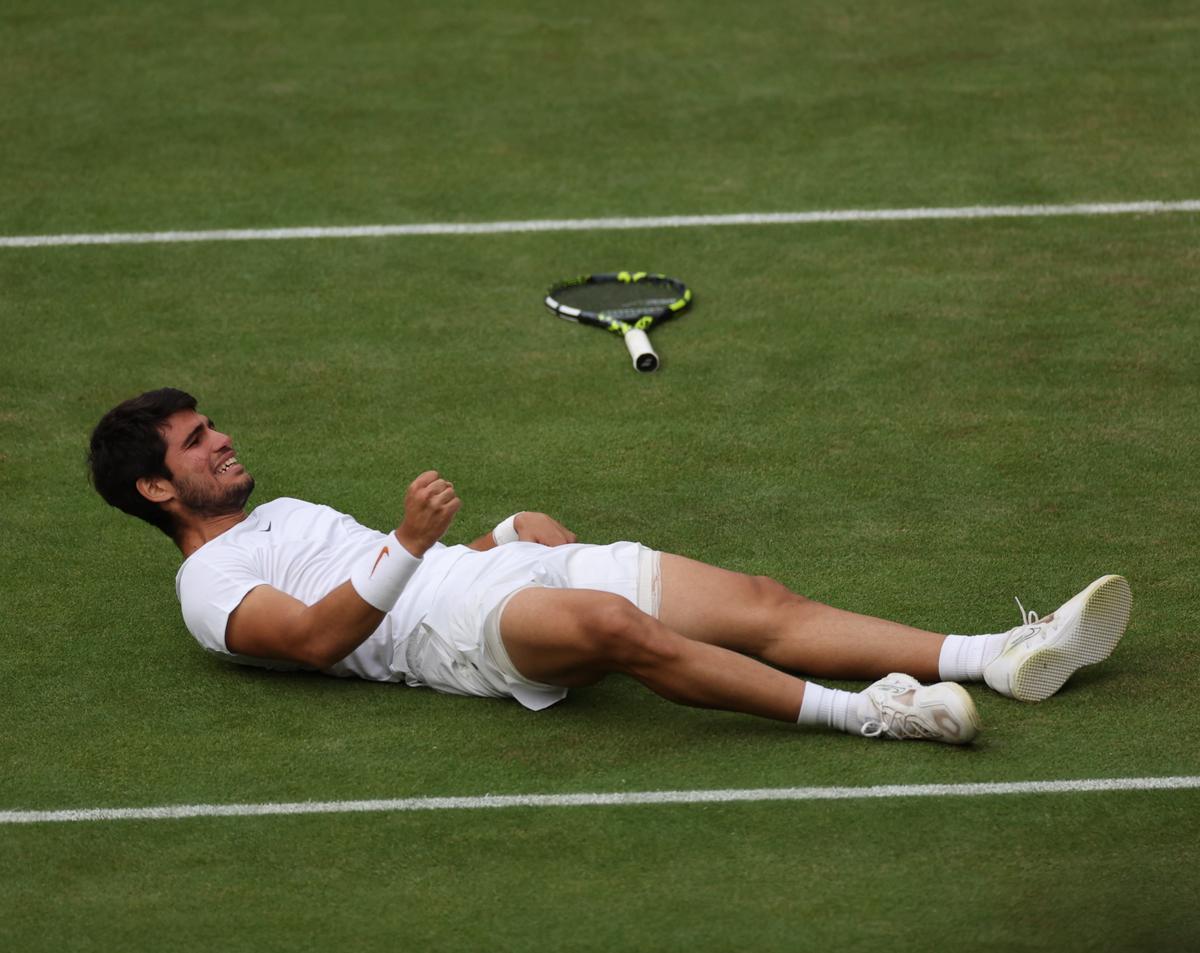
(429, 508)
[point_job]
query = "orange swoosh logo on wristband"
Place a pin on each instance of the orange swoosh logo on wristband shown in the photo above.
(383, 552)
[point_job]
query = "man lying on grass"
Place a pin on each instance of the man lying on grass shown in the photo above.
(526, 612)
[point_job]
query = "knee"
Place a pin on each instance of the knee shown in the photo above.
(626, 638)
(773, 607)
(774, 597)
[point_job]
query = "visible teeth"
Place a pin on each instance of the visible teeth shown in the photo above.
(227, 464)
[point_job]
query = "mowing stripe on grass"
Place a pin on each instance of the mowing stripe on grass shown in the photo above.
(600, 224)
(614, 799)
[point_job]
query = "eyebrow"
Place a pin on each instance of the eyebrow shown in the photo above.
(197, 430)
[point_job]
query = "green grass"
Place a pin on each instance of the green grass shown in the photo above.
(170, 115)
(714, 877)
(915, 420)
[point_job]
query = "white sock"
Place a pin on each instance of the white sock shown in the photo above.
(964, 657)
(830, 708)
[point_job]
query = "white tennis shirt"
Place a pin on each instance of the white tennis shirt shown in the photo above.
(305, 550)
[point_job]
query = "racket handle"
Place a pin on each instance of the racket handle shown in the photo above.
(644, 358)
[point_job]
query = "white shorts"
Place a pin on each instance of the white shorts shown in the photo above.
(457, 646)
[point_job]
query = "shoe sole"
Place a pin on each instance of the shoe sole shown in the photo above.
(1101, 624)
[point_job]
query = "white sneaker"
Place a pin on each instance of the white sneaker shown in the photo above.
(901, 707)
(1041, 654)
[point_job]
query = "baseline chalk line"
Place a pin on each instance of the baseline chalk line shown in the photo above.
(611, 799)
(601, 224)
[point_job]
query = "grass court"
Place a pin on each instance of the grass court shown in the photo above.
(913, 419)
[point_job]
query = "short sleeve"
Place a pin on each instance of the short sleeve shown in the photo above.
(209, 590)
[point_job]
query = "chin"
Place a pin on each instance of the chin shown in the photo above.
(243, 490)
(230, 498)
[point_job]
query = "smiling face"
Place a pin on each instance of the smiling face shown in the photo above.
(206, 477)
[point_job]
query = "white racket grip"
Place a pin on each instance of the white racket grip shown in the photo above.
(638, 343)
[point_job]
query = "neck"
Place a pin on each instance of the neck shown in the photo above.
(200, 530)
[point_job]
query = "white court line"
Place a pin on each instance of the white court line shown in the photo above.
(614, 799)
(600, 224)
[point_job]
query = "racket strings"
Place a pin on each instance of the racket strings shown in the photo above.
(637, 309)
(618, 300)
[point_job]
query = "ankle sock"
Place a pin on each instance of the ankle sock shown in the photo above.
(830, 708)
(964, 657)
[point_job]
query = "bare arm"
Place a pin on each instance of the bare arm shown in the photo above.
(531, 528)
(271, 624)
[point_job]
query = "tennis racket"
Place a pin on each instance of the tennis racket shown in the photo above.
(625, 303)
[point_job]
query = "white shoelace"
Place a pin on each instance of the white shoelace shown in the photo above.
(1027, 617)
(873, 728)
(909, 728)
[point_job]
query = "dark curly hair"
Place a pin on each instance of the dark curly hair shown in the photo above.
(128, 444)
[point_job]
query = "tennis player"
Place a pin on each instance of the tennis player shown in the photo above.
(527, 612)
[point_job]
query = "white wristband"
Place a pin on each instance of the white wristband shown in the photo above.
(506, 532)
(381, 576)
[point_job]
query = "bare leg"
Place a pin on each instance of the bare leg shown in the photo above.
(575, 637)
(761, 617)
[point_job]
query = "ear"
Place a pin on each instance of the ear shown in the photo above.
(156, 489)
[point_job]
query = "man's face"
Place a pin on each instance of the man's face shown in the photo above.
(205, 473)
